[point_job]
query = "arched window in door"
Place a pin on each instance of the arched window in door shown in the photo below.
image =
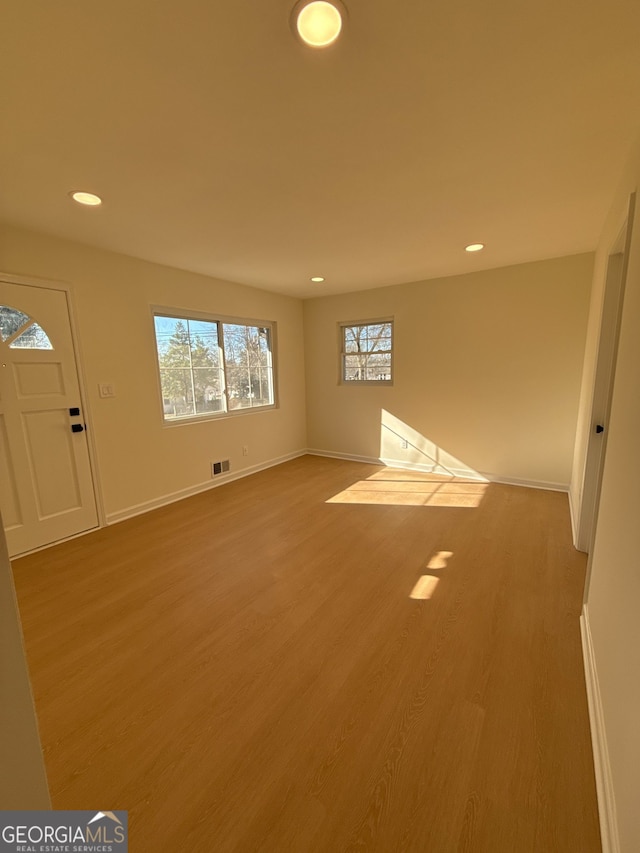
(20, 331)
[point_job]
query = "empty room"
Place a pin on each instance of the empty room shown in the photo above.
(319, 370)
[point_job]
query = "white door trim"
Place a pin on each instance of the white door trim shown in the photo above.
(602, 765)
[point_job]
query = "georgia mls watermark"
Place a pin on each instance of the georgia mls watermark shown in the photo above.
(63, 832)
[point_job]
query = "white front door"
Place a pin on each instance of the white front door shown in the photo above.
(46, 485)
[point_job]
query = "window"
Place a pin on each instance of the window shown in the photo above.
(21, 331)
(366, 352)
(210, 366)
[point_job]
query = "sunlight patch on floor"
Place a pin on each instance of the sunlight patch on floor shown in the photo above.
(440, 560)
(426, 585)
(424, 588)
(404, 488)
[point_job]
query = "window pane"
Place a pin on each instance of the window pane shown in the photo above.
(247, 354)
(380, 360)
(379, 337)
(354, 367)
(235, 359)
(379, 367)
(10, 321)
(264, 340)
(34, 337)
(203, 341)
(367, 338)
(189, 360)
(208, 389)
(172, 338)
(177, 392)
(351, 338)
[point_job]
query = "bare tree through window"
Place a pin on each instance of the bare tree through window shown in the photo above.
(366, 351)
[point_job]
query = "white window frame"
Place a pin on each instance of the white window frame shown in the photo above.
(220, 320)
(342, 327)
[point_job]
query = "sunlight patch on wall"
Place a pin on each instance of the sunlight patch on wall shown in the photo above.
(401, 445)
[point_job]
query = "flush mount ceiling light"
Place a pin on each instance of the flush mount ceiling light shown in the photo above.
(317, 278)
(318, 23)
(474, 247)
(88, 199)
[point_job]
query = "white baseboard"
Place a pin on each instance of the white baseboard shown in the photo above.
(545, 485)
(432, 468)
(467, 473)
(348, 456)
(604, 783)
(164, 500)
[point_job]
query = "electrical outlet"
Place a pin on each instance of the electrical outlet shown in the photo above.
(245, 450)
(404, 444)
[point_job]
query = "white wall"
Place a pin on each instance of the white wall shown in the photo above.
(23, 783)
(487, 372)
(139, 460)
(613, 596)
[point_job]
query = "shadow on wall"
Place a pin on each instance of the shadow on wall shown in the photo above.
(402, 446)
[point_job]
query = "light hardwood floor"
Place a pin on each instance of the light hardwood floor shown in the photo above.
(246, 670)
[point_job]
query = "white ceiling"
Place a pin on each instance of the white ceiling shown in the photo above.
(223, 146)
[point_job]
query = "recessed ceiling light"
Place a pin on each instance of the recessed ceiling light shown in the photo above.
(88, 199)
(318, 23)
(317, 278)
(474, 247)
